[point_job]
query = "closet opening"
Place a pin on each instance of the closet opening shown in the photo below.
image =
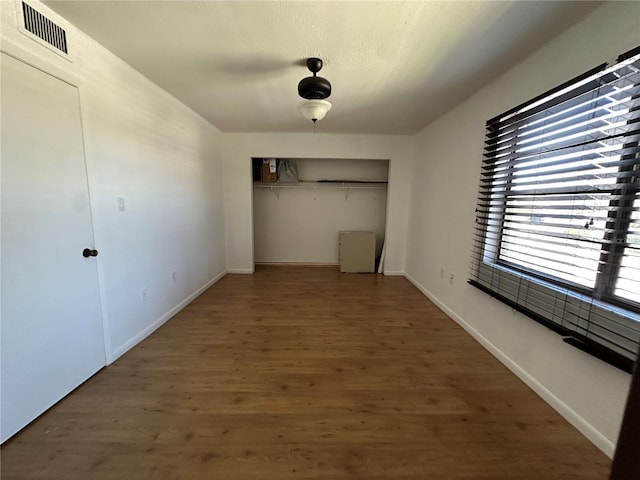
(301, 206)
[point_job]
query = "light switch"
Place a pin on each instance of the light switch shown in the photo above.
(121, 207)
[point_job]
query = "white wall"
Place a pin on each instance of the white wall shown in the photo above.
(588, 392)
(342, 169)
(144, 145)
(239, 148)
(301, 224)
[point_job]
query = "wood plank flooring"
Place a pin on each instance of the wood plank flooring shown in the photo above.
(304, 373)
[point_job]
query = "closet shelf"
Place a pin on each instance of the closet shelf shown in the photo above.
(331, 184)
(276, 187)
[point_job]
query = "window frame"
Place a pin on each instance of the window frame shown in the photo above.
(487, 251)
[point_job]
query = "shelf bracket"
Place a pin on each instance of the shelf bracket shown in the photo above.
(275, 191)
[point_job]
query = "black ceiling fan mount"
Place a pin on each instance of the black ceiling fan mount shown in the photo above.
(314, 88)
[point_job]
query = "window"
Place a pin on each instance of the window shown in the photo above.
(558, 213)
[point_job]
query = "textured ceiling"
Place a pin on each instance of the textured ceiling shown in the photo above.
(394, 66)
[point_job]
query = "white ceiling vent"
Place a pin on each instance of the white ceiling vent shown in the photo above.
(48, 33)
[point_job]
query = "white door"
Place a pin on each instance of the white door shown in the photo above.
(52, 338)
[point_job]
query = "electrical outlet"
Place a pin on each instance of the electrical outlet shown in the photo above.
(441, 273)
(174, 277)
(143, 294)
(451, 277)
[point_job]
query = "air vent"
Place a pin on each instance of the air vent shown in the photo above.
(44, 28)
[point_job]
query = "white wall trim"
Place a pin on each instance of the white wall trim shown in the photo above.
(240, 271)
(393, 273)
(95, 229)
(124, 348)
(584, 427)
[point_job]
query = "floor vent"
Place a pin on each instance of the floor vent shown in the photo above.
(44, 28)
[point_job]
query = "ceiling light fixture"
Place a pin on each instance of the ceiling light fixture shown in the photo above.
(314, 89)
(315, 110)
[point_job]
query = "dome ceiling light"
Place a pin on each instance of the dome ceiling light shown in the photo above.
(315, 90)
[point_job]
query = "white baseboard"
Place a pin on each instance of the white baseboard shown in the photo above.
(124, 348)
(240, 271)
(584, 427)
(298, 264)
(391, 273)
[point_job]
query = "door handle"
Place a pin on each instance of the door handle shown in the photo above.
(87, 252)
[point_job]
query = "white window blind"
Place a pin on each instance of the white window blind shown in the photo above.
(558, 213)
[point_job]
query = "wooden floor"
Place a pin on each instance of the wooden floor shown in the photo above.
(304, 373)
